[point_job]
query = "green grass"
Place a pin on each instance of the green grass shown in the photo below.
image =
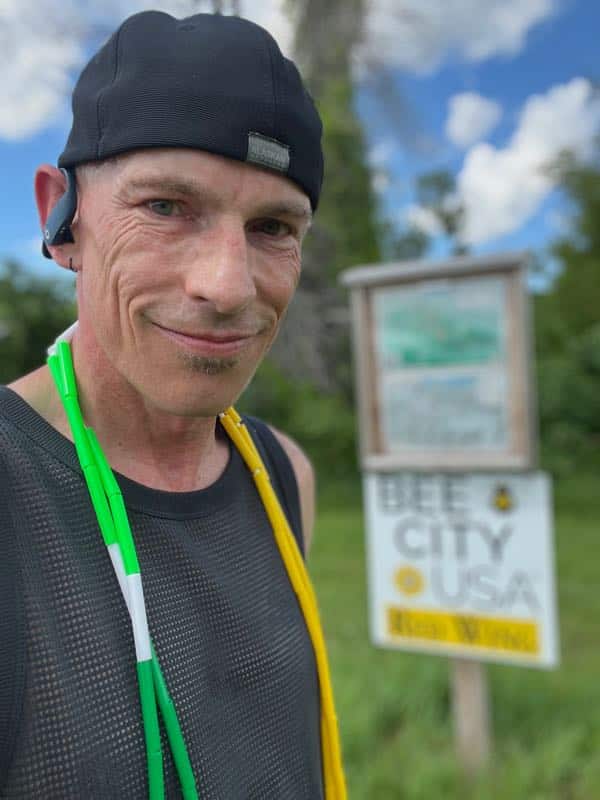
(394, 707)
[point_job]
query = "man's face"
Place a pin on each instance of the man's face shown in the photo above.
(189, 263)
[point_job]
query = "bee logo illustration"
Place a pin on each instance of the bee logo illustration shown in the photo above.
(503, 499)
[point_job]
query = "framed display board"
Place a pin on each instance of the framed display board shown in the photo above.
(443, 364)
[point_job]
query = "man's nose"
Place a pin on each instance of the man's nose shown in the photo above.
(221, 270)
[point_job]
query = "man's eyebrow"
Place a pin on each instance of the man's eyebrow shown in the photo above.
(285, 208)
(196, 190)
(188, 187)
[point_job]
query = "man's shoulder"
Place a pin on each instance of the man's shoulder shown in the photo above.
(300, 461)
(305, 479)
(9, 401)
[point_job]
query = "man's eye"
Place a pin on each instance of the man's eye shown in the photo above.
(164, 208)
(274, 227)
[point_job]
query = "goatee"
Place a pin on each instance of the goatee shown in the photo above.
(208, 366)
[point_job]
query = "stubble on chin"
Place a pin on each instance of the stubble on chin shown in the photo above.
(202, 365)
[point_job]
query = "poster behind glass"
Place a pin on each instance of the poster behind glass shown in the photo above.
(442, 365)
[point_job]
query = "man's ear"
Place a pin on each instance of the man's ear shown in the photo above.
(56, 190)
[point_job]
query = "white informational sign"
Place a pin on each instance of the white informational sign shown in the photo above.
(463, 565)
(442, 366)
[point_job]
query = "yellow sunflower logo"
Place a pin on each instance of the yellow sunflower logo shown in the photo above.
(409, 580)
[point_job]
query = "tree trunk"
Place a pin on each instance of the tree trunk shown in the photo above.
(314, 343)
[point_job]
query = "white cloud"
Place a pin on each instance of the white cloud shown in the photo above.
(423, 219)
(380, 153)
(380, 181)
(379, 158)
(37, 55)
(43, 43)
(43, 40)
(470, 118)
(419, 34)
(502, 188)
(271, 15)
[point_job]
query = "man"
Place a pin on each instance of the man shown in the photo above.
(185, 191)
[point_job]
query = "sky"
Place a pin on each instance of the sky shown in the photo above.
(491, 90)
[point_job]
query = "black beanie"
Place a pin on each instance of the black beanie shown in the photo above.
(209, 82)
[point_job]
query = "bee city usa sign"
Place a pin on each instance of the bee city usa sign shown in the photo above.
(462, 565)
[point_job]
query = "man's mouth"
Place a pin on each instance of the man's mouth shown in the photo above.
(212, 344)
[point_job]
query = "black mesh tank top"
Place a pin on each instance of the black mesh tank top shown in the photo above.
(227, 628)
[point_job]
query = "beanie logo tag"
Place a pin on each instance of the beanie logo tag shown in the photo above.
(267, 152)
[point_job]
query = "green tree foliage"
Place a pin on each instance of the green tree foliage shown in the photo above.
(322, 421)
(33, 311)
(568, 329)
(346, 229)
(436, 191)
(577, 289)
(347, 209)
(408, 245)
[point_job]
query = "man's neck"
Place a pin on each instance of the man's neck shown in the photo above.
(149, 446)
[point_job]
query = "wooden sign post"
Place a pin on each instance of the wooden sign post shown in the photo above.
(471, 713)
(459, 533)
